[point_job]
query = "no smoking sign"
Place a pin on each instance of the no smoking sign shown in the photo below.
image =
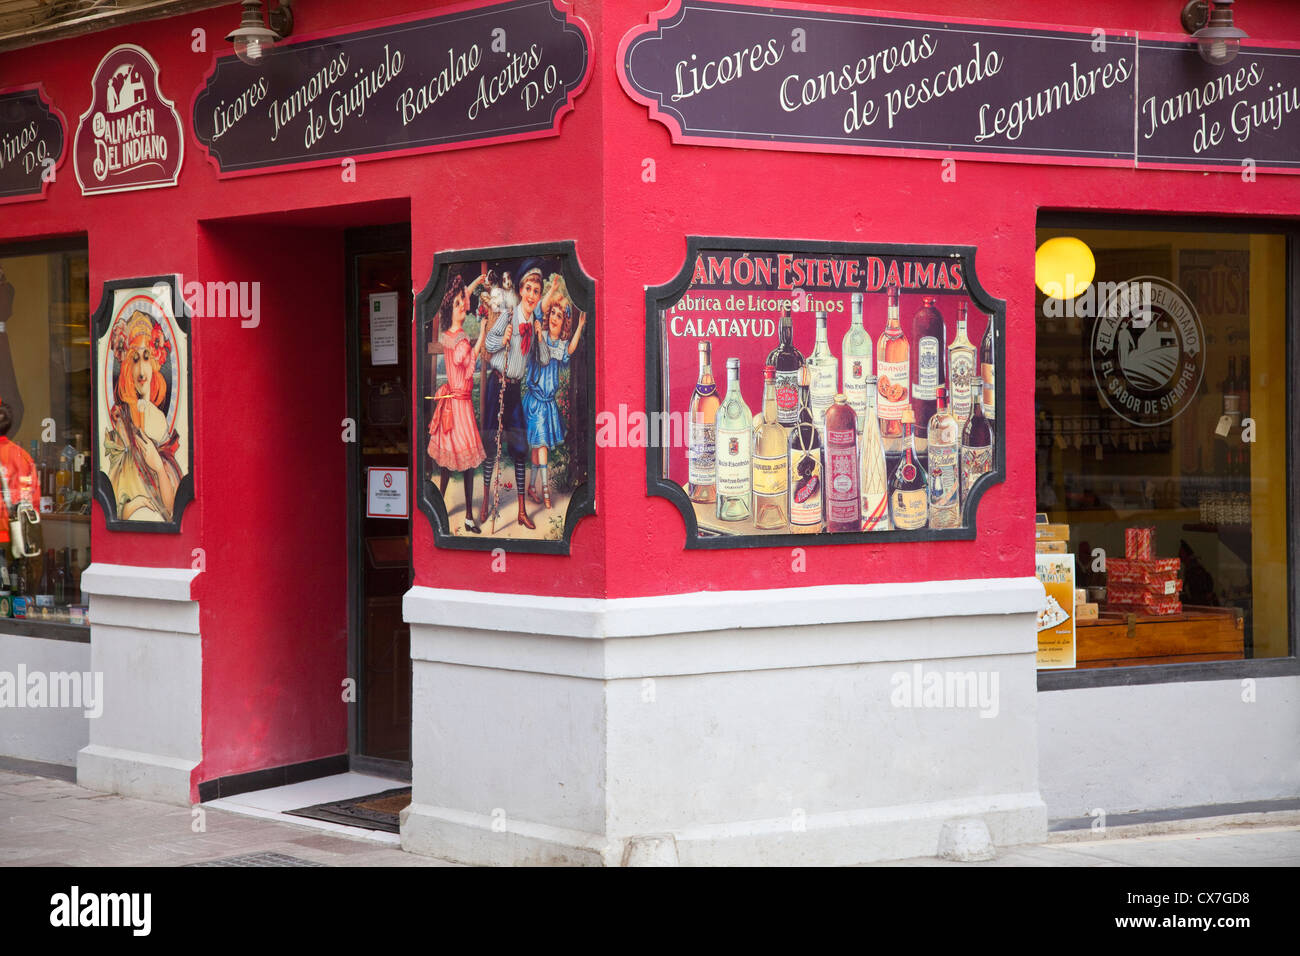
(386, 493)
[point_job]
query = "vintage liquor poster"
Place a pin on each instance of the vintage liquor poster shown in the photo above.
(752, 347)
(1056, 638)
(506, 413)
(143, 417)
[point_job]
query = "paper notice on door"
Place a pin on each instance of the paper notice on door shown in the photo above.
(383, 328)
(386, 493)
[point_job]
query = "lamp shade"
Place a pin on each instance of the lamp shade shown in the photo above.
(1064, 267)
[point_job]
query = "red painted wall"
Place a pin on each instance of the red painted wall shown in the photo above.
(768, 194)
(268, 460)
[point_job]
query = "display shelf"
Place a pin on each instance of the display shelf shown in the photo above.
(1119, 639)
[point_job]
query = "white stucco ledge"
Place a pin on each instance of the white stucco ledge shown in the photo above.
(152, 584)
(599, 618)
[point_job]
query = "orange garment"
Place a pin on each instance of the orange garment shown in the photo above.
(21, 472)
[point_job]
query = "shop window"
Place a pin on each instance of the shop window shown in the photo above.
(45, 386)
(1162, 406)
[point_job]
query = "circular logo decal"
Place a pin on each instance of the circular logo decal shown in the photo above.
(1148, 350)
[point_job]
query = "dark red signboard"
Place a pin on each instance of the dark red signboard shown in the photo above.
(815, 78)
(475, 74)
(32, 143)
(130, 136)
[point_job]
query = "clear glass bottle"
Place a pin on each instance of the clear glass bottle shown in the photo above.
(893, 377)
(823, 370)
(805, 479)
(701, 432)
(771, 462)
(734, 456)
(874, 483)
(961, 368)
(943, 465)
(788, 362)
(909, 491)
(855, 354)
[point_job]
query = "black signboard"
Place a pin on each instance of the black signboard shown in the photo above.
(32, 139)
(1194, 114)
(825, 80)
(482, 74)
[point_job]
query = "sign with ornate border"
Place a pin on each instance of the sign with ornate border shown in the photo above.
(807, 77)
(882, 326)
(33, 143)
(468, 76)
(143, 437)
(507, 374)
(130, 136)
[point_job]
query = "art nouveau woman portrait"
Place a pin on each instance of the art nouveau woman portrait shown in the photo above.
(140, 447)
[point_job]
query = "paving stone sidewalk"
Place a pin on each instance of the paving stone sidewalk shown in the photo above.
(47, 822)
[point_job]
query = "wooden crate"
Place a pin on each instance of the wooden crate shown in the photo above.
(1116, 639)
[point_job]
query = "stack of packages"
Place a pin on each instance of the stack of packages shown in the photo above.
(1050, 538)
(1142, 582)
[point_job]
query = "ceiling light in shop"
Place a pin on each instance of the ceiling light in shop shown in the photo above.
(1064, 267)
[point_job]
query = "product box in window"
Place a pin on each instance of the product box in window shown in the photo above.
(1145, 573)
(1139, 543)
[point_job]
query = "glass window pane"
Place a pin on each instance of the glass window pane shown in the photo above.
(1161, 403)
(45, 388)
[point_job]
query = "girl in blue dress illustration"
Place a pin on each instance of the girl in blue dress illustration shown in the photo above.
(555, 339)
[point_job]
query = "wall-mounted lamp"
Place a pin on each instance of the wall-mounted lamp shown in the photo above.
(1217, 40)
(253, 39)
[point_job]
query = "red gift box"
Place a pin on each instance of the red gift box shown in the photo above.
(1154, 571)
(1139, 543)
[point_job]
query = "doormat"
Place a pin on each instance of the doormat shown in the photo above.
(259, 859)
(374, 811)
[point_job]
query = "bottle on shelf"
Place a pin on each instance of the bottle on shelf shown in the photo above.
(788, 363)
(701, 432)
(961, 368)
(805, 478)
(909, 489)
(843, 468)
(976, 443)
(823, 371)
(771, 462)
(893, 377)
(45, 590)
(988, 372)
(63, 481)
(44, 477)
(929, 368)
(734, 456)
(74, 578)
(874, 483)
(855, 354)
(944, 464)
(59, 579)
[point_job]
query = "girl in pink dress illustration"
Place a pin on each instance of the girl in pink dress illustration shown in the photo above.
(454, 442)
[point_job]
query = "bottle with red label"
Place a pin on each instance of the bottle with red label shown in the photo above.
(788, 362)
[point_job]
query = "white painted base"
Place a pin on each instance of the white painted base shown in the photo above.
(694, 717)
(48, 734)
(144, 638)
(1161, 746)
